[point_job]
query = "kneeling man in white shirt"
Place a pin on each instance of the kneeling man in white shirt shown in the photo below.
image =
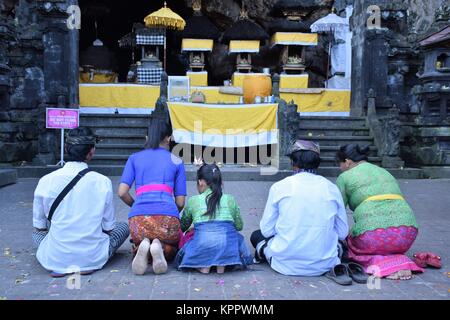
(303, 220)
(83, 233)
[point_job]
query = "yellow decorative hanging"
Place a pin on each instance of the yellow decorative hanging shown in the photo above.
(165, 18)
(294, 39)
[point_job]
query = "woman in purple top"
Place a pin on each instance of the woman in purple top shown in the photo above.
(160, 183)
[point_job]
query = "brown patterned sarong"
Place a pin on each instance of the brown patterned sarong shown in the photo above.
(164, 228)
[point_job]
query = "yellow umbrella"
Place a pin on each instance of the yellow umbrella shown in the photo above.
(165, 18)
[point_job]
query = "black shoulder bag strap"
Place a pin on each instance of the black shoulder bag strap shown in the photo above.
(65, 191)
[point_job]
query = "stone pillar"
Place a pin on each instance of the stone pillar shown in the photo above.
(385, 131)
(6, 36)
(391, 145)
(276, 86)
(5, 83)
(164, 85)
(60, 64)
(371, 104)
(21, 80)
(376, 73)
(55, 67)
(370, 49)
(288, 124)
(161, 108)
(398, 69)
(73, 65)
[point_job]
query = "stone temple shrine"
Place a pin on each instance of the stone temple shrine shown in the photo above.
(332, 71)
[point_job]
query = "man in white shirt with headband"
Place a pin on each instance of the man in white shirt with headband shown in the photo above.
(83, 233)
(303, 220)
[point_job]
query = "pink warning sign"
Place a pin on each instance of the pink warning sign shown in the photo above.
(62, 118)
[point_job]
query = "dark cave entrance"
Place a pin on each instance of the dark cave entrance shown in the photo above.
(116, 18)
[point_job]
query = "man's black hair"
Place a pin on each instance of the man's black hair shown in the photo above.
(305, 159)
(79, 152)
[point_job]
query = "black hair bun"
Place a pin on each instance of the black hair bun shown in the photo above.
(365, 150)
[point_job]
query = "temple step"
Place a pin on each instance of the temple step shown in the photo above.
(329, 162)
(124, 130)
(122, 138)
(339, 140)
(319, 132)
(333, 122)
(110, 159)
(330, 151)
(111, 120)
(123, 135)
(333, 132)
(118, 148)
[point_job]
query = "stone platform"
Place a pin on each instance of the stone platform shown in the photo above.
(21, 276)
(7, 177)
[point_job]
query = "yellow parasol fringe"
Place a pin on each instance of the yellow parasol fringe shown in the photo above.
(165, 18)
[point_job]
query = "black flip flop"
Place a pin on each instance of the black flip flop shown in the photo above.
(87, 272)
(54, 274)
(357, 272)
(340, 275)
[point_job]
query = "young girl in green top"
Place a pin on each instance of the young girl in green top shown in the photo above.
(216, 218)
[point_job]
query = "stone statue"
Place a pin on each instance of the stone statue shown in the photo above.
(161, 108)
(391, 128)
(386, 132)
(288, 125)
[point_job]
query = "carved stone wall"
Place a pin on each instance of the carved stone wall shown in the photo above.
(385, 59)
(389, 61)
(35, 70)
(225, 12)
(21, 81)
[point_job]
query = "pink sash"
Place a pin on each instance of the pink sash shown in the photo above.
(154, 187)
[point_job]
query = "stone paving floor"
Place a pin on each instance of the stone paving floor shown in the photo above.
(21, 276)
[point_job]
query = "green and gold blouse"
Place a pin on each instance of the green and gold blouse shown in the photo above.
(367, 180)
(194, 212)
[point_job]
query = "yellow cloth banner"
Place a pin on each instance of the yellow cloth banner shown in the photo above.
(294, 38)
(198, 79)
(118, 96)
(385, 197)
(237, 46)
(138, 96)
(294, 81)
(197, 45)
(213, 95)
(85, 77)
(220, 118)
(326, 101)
(238, 78)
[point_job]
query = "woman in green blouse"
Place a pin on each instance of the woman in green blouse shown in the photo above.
(216, 218)
(385, 226)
